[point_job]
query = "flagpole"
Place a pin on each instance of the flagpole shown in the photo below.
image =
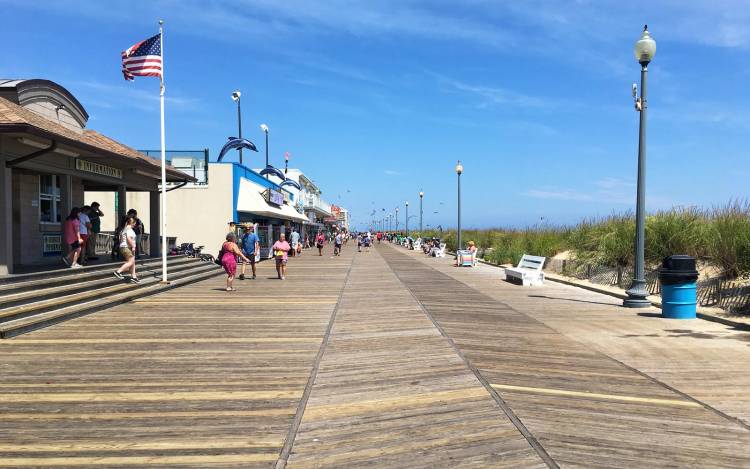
(163, 164)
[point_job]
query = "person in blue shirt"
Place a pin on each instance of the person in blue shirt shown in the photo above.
(250, 245)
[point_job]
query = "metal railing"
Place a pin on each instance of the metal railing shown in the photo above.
(106, 239)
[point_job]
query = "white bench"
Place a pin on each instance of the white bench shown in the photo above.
(528, 271)
(440, 252)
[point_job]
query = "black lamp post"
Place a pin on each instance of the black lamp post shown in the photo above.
(236, 98)
(645, 49)
(264, 128)
(421, 196)
(407, 219)
(459, 170)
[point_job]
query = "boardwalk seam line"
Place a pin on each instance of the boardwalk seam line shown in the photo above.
(515, 420)
(294, 427)
(677, 391)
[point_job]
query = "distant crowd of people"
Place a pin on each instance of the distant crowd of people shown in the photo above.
(245, 250)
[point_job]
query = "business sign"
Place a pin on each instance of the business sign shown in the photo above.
(98, 168)
(274, 197)
(335, 210)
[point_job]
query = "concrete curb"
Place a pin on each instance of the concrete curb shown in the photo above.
(654, 302)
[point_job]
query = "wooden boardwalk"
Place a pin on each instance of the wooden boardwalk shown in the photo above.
(374, 359)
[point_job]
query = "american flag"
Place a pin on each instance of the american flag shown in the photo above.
(142, 59)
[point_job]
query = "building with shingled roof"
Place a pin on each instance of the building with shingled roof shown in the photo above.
(48, 159)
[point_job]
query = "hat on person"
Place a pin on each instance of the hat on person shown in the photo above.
(95, 204)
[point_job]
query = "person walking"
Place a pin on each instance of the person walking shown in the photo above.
(250, 245)
(337, 242)
(126, 248)
(96, 227)
(84, 227)
(281, 254)
(320, 241)
(294, 238)
(72, 238)
(138, 228)
(229, 254)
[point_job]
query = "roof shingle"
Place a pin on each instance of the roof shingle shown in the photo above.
(12, 114)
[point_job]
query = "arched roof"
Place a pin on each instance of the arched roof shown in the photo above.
(24, 92)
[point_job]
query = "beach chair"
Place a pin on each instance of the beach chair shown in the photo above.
(466, 258)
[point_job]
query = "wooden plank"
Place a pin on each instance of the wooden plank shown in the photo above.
(391, 392)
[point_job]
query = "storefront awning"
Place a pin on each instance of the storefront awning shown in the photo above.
(250, 200)
(294, 214)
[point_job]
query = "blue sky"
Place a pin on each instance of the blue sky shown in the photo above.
(377, 99)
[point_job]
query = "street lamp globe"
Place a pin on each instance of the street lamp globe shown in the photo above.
(459, 168)
(645, 47)
(264, 128)
(407, 203)
(421, 194)
(236, 95)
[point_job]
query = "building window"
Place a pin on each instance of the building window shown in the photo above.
(49, 199)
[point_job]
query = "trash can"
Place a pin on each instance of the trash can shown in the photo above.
(678, 278)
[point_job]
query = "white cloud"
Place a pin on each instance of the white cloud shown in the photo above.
(391, 172)
(126, 95)
(608, 190)
(558, 194)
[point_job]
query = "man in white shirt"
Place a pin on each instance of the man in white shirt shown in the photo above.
(295, 242)
(337, 244)
(85, 229)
